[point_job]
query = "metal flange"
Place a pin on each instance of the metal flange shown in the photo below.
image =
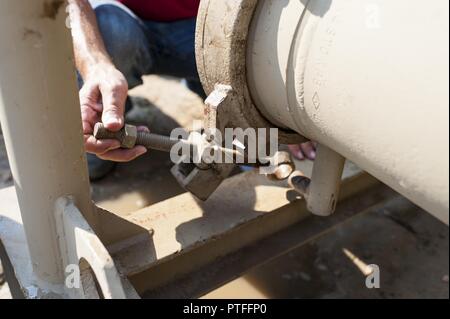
(221, 45)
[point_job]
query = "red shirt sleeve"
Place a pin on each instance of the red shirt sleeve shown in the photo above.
(163, 10)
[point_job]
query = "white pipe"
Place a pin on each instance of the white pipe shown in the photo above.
(367, 78)
(41, 122)
(323, 191)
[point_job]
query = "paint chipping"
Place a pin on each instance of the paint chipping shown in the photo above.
(51, 9)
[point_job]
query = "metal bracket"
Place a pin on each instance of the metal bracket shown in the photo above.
(202, 180)
(80, 247)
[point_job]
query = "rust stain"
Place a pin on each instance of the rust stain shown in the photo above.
(30, 33)
(51, 8)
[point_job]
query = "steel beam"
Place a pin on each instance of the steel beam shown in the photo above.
(229, 267)
(182, 235)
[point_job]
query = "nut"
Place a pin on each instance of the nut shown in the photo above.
(126, 136)
(129, 136)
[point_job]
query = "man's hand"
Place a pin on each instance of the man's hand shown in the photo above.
(102, 98)
(304, 151)
(105, 89)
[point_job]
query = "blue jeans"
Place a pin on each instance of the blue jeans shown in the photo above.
(139, 47)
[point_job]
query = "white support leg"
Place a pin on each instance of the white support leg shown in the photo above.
(41, 122)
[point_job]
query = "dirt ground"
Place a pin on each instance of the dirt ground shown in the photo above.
(410, 246)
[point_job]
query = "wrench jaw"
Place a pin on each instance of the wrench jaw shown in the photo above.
(199, 179)
(202, 183)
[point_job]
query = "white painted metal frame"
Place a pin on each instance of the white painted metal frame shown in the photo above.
(41, 123)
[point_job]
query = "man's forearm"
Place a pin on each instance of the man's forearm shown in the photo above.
(88, 43)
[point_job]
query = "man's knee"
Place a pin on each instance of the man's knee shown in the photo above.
(124, 39)
(112, 23)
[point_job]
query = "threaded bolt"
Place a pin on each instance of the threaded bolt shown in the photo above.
(129, 137)
(155, 141)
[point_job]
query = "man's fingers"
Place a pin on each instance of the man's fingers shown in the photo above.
(87, 128)
(308, 150)
(114, 97)
(90, 95)
(143, 129)
(95, 146)
(297, 152)
(123, 155)
(89, 117)
(112, 117)
(303, 151)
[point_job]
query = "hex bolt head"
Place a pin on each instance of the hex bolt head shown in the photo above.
(129, 136)
(126, 136)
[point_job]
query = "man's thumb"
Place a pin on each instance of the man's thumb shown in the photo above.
(112, 118)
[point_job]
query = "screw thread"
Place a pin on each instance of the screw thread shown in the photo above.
(156, 142)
